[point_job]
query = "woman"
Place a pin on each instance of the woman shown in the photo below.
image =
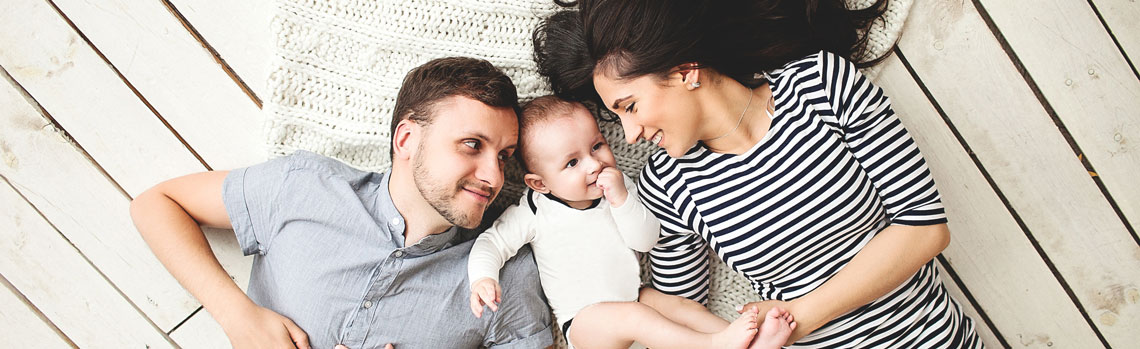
(800, 177)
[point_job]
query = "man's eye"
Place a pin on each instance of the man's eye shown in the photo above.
(472, 144)
(504, 156)
(572, 163)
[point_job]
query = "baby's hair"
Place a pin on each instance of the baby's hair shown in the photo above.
(536, 112)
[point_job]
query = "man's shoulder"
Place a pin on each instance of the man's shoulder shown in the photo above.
(521, 270)
(326, 167)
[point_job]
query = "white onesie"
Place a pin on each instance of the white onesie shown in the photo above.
(584, 256)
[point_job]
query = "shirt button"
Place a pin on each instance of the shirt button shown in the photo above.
(394, 221)
(399, 253)
(367, 304)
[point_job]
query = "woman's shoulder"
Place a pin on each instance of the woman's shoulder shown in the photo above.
(810, 64)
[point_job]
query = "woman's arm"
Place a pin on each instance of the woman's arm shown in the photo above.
(888, 260)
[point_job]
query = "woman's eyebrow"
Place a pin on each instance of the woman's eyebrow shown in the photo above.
(619, 100)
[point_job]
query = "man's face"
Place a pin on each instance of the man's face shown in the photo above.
(458, 166)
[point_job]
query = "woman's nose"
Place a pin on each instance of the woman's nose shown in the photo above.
(632, 132)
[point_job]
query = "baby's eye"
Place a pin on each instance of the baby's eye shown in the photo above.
(572, 163)
(598, 146)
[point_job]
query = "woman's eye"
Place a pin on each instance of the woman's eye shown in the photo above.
(629, 108)
(572, 163)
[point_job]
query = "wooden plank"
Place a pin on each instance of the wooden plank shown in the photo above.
(1120, 16)
(1087, 81)
(984, 331)
(240, 32)
(200, 331)
(176, 75)
(86, 97)
(87, 208)
(961, 63)
(63, 285)
(68, 188)
(23, 326)
(988, 250)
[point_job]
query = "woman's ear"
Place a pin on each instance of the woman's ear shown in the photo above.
(404, 139)
(690, 75)
(535, 182)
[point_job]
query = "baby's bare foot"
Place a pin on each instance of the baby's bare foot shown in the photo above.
(777, 326)
(739, 333)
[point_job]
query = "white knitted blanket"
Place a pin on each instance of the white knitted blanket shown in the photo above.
(339, 63)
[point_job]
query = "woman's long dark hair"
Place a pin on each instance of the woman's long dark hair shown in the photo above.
(738, 38)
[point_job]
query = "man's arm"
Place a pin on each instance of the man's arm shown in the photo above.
(168, 218)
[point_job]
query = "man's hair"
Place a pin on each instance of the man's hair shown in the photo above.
(537, 112)
(440, 78)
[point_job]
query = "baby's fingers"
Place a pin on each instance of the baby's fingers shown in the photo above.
(476, 305)
(489, 297)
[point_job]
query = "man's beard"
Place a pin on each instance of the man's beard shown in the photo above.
(441, 196)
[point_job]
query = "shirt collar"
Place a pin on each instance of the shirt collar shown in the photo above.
(391, 217)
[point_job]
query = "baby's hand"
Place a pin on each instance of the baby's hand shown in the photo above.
(485, 291)
(613, 186)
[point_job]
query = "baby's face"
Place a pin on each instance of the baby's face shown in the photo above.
(569, 152)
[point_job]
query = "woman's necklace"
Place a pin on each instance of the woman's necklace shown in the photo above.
(738, 121)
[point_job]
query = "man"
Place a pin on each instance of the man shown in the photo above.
(359, 259)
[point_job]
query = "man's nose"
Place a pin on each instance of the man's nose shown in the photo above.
(489, 171)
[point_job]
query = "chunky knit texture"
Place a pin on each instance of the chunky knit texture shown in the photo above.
(339, 63)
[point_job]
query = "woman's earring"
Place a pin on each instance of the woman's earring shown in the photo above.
(696, 84)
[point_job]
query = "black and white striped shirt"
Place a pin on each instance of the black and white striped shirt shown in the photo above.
(835, 168)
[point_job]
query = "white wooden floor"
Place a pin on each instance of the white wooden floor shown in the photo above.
(1028, 112)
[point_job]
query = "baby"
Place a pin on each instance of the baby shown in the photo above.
(584, 221)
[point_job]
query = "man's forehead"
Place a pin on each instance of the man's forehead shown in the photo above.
(468, 117)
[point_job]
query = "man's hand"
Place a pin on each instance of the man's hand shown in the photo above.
(485, 291)
(386, 346)
(259, 327)
(613, 186)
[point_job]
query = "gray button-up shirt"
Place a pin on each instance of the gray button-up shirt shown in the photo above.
(330, 255)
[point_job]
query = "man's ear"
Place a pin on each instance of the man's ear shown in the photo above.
(404, 139)
(535, 182)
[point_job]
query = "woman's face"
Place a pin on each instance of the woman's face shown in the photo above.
(662, 111)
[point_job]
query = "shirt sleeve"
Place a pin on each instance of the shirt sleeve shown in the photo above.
(881, 145)
(499, 243)
(523, 319)
(249, 195)
(639, 228)
(679, 262)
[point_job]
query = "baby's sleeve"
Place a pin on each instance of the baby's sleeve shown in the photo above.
(638, 227)
(499, 243)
